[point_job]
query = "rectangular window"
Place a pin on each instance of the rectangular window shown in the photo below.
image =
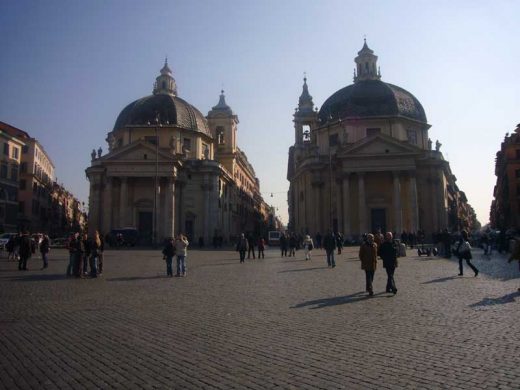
(23, 167)
(186, 144)
(25, 149)
(333, 139)
(23, 184)
(16, 152)
(306, 133)
(412, 136)
(6, 149)
(3, 171)
(373, 131)
(14, 172)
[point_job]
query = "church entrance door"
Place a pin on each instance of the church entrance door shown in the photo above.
(145, 227)
(378, 220)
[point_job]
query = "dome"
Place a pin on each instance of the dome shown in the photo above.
(171, 109)
(371, 98)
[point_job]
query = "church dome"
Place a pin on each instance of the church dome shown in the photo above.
(369, 97)
(165, 105)
(171, 109)
(372, 98)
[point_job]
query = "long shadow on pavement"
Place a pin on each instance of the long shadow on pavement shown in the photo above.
(136, 278)
(37, 278)
(301, 269)
(440, 280)
(325, 302)
(508, 298)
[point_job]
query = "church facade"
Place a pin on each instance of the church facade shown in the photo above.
(169, 169)
(364, 162)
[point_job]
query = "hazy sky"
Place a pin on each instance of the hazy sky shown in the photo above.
(69, 67)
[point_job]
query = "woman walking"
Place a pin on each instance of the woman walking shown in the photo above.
(181, 249)
(308, 245)
(368, 257)
(515, 255)
(44, 250)
(388, 252)
(464, 253)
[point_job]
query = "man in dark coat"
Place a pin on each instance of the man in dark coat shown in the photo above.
(26, 250)
(388, 252)
(329, 244)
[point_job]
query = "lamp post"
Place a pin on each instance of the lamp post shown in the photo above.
(155, 189)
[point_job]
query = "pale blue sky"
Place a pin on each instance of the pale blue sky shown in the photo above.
(69, 67)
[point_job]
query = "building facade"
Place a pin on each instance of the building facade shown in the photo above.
(10, 160)
(364, 162)
(30, 191)
(169, 169)
(505, 208)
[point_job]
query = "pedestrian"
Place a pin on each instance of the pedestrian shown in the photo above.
(388, 253)
(10, 248)
(101, 254)
(261, 246)
(71, 268)
(515, 254)
(242, 247)
(94, 246)
(283, 244)
(168, 253)
(329, 244)
(86, 245)
(368, 257)
(181, 250)
(339, 242)
(292, 244)
(250, 246)
(25, 251)
(464, 253)
(44, 250)
(308, 246)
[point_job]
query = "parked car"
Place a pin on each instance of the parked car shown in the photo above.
(60, 242)
(123, 237)
(4, 238)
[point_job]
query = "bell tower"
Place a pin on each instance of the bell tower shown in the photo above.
(366, 65)
(223, 124)
(165, 83)
(305, 117)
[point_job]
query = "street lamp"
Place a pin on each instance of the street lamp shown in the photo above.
(155, 189)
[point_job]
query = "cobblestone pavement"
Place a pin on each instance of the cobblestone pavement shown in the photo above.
(266, 324)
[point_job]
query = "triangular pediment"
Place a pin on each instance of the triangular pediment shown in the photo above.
(136, 151)
(379, 145)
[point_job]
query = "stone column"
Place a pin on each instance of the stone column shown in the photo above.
(413, 203)
(206, 190)
(123, 202)
(346, 205)
(94, 205)
(169, 208)
(106, 226)
(362, 206)
(398, 217)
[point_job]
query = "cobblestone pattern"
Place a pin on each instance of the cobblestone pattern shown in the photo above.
(266, 324)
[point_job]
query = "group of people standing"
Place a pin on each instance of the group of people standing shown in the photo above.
(85, 251)
(177, 247)
(22, 246)
(247, 244)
